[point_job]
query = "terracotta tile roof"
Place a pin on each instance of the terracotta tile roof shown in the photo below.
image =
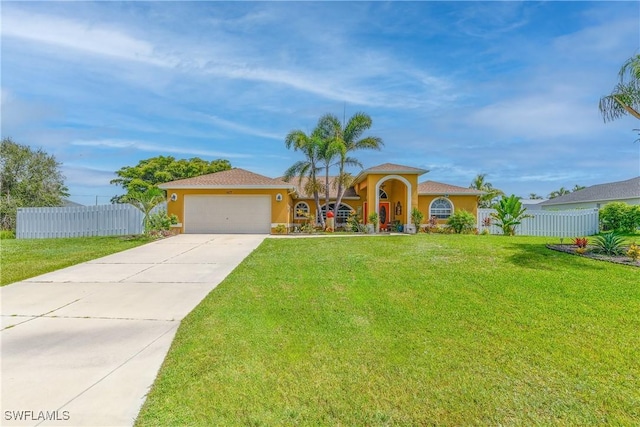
(391, 167)
(333, 191)
(235, 177)
(620, 190)
(433, 187)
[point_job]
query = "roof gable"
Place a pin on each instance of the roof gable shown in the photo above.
(620, 190)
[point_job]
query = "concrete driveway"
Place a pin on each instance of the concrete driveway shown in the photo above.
(81, 346)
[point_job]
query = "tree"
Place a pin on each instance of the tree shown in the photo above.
(559, 192)
(578, 188)
(534, 196)
(28, 178)
(346, 139)
(145, 201)
(416, 218)
(310, 146)
(153, 171)
(486, 200)
(625, 97)
(509, 214)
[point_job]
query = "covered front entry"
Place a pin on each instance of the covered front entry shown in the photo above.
(227, 214)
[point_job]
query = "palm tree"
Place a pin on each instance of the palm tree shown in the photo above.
(578, 188)
(145, 201)
(534, 196)
(310, 146)
(509, 214)
(347, 138)
(490, 193)
(559, 192)
(625, 98)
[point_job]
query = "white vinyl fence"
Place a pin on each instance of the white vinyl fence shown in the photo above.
(570, 223)
(79, 221)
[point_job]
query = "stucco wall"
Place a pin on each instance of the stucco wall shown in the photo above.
(468, 203)
(279, 210)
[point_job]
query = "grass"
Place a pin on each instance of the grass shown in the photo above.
(407, 330)
(24, 258)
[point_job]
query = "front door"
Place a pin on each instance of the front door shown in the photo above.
(383, 215)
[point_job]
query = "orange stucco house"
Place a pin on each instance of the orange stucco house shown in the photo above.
(239, 201)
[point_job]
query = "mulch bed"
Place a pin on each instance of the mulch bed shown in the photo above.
(571, 249)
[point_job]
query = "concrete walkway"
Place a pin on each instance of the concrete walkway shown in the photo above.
(81, 346)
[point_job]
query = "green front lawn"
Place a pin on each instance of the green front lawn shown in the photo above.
(408, 330)
(24, 258)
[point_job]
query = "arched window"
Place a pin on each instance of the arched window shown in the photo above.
(441, 208)
(301, 210)
(341, 215)
(383, 194)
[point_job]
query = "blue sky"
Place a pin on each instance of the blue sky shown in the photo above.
(509, 89)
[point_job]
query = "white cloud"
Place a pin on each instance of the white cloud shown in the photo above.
(71, 34)
(161, 149)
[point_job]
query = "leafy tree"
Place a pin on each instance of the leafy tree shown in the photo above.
(145, 201)
(461, 221)
(311, 147)
(509, 214)
(346, 139)
(28, 178)
(534, 196)
(625, 97)
(487, 199)
(153, 171)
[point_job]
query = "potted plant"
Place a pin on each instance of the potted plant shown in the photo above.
(373, 225)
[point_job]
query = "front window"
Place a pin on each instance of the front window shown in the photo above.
(301, 210)
(441, 208)
(342, 214)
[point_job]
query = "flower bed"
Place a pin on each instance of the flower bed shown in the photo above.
(571, 249)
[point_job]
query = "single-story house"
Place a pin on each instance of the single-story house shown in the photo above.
(240, 201)
(597, 196)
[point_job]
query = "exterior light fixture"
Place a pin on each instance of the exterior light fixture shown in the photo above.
(278, 197)
(174, 197)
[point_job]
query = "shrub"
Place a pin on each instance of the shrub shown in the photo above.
(280, 229)
(610, 243)
(354, 224)
(634, 252)
(581, 242)
(461, 221)
(619, 216)
(160, 221)
(7, 234)
(416, 218)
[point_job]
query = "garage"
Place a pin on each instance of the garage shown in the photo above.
(227, 214)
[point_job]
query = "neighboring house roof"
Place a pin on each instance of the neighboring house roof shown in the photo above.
(389, 169)
(439, 188)
(70, 204)
(233, 178)
(620, 190)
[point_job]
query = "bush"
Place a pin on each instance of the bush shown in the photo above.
(621, 217)
(461, 221)
(634, 252)
(7, 234)
(160, 221)
(610, 243)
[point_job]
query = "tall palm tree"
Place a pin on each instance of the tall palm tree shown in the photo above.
(486, 200)
(625, 98)
(310, 146)
(347, 138)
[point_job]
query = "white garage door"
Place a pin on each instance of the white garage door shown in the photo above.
(227, 214)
